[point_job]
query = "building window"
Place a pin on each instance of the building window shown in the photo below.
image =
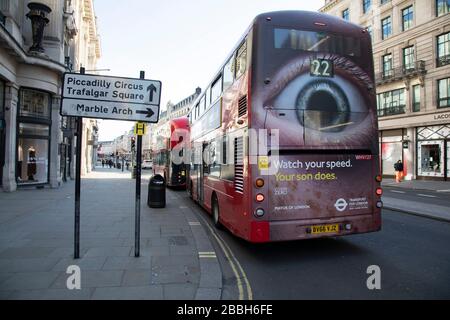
(442, 7)
(384, 1)
(366, 5)
(408, 58)
(443, 93)
(386, 28)
(387, 66)
(416, 98)
(34, 104)
(443, 49)
(430, 158)
(33, 137)
(391, 103)
(407, 18)
(346, 15)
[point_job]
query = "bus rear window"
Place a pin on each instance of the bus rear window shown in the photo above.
(316, 42)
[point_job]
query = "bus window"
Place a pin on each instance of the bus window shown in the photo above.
(208, 98)
(241, 59)
(216, 89)
(228, 74)
(227, 167)
(202, 104)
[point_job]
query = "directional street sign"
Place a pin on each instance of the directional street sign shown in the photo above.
(93, 96)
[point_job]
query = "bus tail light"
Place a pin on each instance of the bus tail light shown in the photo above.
(379, 204)
(259, 183)
(260, 197)
(259, 212)
(378, 178)
(379, 191)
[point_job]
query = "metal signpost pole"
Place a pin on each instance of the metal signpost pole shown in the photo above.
(76, 254)
(116, 98)
(137, 230)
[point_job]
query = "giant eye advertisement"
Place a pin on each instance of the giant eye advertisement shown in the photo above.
(316, 90)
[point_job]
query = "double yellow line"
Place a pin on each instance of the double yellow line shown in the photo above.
(243, 284)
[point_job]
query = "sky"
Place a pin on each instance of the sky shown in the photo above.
(181, 43)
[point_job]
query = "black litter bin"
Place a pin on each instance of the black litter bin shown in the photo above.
(156, 192)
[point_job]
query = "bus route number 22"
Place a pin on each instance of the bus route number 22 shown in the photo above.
(321, 68)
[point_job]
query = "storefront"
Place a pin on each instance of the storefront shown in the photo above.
(433, 152)
(391, 142)
(33, 137)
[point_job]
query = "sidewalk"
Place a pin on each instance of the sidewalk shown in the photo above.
(418, 207)
(438, 186)
(36, 244)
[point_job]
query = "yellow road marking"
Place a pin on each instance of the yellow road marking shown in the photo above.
(227, 251)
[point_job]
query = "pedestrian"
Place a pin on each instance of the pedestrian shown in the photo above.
(398, 171)
(103, 163)
(110, 163)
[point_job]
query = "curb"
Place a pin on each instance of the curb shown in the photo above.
(418, 214)
(210, 286)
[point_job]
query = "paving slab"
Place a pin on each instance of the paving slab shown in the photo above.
(36, 243)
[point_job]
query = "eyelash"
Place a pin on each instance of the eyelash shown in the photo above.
(295, 67)
(299, 66)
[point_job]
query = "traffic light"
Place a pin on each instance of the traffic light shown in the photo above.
(133, 143)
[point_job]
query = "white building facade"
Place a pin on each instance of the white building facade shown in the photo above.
(411, 52)
(37, 144)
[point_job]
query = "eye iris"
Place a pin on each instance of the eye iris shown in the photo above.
(322, 105)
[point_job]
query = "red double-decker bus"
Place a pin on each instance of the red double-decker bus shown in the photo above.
(168, 154)
(284, 140)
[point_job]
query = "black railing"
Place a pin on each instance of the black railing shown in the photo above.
(442, 61)
(391, 111)
(406, 71)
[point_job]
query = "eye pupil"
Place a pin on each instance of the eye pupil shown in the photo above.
(322, 105)
(322, 101)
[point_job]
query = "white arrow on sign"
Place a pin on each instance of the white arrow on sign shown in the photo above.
(109, 110)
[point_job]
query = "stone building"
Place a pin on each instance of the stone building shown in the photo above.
(37, 144)
(411, 52)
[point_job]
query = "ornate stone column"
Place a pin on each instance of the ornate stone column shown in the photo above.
(9, 169)
(56, 139)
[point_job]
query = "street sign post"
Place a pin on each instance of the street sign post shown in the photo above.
(116, 98)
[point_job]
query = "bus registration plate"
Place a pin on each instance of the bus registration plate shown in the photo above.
(328, 228)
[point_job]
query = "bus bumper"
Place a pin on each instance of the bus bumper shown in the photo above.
(301, 229)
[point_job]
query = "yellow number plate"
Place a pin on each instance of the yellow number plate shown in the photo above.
(328, 228)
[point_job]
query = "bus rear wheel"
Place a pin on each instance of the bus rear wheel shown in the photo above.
(215, 212)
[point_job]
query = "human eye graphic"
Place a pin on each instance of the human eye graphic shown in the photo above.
(327, 109)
